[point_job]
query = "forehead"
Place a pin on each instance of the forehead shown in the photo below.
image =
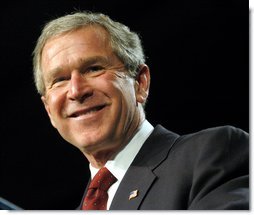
(81, 43)
(86, 36)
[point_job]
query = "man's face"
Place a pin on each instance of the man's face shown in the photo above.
(89, 97)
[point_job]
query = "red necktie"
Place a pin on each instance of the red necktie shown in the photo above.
(97, 196)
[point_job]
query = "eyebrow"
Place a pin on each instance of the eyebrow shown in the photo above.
(92, 60)
(81, 63)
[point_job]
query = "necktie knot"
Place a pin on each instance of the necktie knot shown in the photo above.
(102, 180)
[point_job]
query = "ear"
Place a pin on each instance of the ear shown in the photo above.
(142, 84)
(44, 100)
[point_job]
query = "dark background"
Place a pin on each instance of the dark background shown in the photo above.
(198, 53)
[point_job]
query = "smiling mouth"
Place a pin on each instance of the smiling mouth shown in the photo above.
(87, 111)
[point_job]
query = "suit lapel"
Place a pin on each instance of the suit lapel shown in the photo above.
(130, 184)
(140, 176)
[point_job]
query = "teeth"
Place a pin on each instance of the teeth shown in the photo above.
(90, 111)
(93, 110)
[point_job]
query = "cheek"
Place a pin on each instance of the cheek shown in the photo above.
(121, 90)
(126, 102)
(127, 91)
(55, 102)
(121, 93)
(107, 85)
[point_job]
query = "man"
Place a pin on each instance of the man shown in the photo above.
(94, 83)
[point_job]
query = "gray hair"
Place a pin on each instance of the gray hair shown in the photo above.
(125, 43)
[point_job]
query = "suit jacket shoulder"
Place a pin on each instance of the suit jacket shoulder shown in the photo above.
(203, 170)
(220, 164)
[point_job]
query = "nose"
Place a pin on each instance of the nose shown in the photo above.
(78, 89)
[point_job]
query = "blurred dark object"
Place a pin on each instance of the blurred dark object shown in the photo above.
(6, 205)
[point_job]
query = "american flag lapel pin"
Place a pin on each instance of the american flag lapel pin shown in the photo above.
(133, 194)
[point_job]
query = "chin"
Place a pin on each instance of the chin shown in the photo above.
(89, 139)
(87, 143)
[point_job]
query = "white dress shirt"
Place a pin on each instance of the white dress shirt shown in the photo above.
(124, 158)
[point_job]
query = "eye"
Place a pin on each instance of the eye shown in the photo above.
(94, 68)
(59, 79)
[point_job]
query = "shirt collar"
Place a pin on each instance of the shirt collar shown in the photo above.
(119, 165)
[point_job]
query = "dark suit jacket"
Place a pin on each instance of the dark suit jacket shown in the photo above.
(206, 170)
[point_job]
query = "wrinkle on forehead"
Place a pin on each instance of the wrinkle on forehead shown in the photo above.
(99, 34)
(80, 63)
